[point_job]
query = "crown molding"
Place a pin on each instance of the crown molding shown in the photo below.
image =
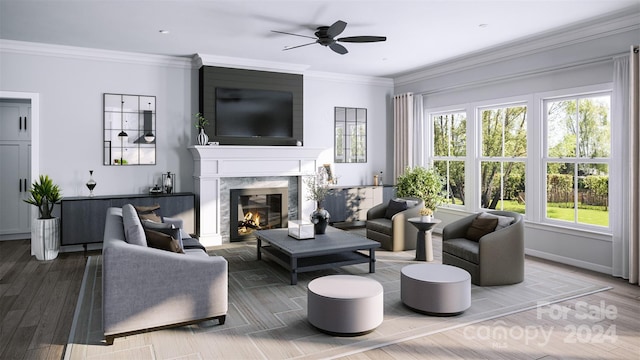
(73, 52)
(559, 38)
(200, 60)
(350, 79)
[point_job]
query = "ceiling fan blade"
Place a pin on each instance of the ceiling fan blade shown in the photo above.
(336, 29)
(362, 39)
(286, 33)
(338, 48)
(297, 46)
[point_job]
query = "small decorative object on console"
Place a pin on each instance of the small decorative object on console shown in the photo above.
(168, 182)
(301, 229)
(91, 184)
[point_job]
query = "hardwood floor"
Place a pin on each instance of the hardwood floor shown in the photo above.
(38, 299)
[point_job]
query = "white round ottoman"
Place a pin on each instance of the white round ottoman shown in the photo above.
(345, 305)
(435, 289)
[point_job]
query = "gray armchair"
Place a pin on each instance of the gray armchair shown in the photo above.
(394, 233)
(497, 258)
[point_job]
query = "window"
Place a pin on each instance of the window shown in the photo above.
(578, 148)
(502, 157)
(449, 153)
(350, 135)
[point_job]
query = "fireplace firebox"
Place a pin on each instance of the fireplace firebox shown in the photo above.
(257, 209)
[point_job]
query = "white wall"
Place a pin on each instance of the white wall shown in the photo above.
(71, 82)
(540, 65)
(71, 90)
(323, 92)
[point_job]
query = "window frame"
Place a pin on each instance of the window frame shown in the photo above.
(577, 160)
(480, 158)
(535, 184)
(449, 158)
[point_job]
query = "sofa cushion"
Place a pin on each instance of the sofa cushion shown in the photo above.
(148, 212)
(503, 221)
(381, 225)
(166, 228)
(394, 207)
(162, 241)
(481, 227)
(133, 230)
(463, 248)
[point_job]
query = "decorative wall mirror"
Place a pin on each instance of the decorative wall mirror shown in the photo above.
(129, 129)
(350, 135)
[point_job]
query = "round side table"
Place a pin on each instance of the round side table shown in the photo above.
(424, 245)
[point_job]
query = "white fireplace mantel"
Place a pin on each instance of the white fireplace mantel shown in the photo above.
(211, 163)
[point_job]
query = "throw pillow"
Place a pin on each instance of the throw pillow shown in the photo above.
(503, 221)
(133, 230)
(162, 241)
(165, 228)
(394, 207)
(148, 212)
(481, 227)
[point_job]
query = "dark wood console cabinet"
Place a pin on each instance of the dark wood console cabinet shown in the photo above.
(83, 218)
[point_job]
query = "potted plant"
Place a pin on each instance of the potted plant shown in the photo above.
(45, 230)
(201, 122)
(422, 183)
(318, 187)
(426, 213)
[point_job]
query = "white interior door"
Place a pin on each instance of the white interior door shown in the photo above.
(15, 160)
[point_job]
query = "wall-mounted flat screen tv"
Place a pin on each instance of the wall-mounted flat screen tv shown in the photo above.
(253, 113)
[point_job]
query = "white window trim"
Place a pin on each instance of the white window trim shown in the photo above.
(427, 138)
(615, 167)
(536, 144)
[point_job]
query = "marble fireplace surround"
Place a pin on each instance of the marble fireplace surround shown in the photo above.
(212, 164)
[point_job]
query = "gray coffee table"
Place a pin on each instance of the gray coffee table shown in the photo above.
(334, 248)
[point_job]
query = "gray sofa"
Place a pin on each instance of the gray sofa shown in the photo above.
(496, 258)
(146, 289)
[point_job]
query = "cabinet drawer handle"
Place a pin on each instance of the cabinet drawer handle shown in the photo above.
(20, 122)
(25, 184)
(25, 123)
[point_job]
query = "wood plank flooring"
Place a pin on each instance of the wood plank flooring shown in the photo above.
(38, 299)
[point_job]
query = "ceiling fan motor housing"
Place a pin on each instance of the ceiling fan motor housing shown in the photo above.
(323, 37)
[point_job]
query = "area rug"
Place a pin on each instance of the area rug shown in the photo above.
(267, 316)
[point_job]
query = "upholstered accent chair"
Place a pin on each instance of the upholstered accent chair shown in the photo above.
(387, 223)
(489, 245)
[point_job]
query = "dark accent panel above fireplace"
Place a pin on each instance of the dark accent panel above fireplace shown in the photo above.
(213, 77)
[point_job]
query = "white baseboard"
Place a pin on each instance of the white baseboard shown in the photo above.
(24, 236)
(570, 261)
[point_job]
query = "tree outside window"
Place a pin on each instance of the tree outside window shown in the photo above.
(502, 160)
(450, 150)
(578, 133)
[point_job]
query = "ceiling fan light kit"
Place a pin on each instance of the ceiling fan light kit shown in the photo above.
(325, 36)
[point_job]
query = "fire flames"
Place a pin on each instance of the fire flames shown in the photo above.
(250, 222)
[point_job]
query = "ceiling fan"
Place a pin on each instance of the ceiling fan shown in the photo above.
(325, 36)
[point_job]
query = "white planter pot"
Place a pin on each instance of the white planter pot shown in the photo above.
(45, 238)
